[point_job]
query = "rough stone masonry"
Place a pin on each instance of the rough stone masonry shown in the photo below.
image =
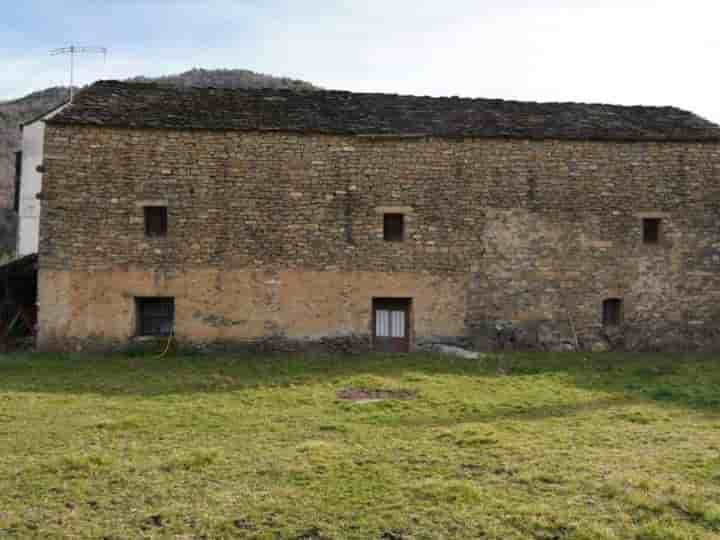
(521, 221)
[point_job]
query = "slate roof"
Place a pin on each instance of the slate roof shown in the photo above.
(147, 105)
(43, 114)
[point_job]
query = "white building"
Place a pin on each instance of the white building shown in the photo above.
(33, 142)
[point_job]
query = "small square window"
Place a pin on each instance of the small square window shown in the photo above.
(612, 312)
(155, 221)
(651, 231)
(393, 227)
(155, 316)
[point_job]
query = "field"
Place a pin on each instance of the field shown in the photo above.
(564, 446)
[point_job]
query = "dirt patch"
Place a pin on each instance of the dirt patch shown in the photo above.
(153, 521)
(375, 394)
(243, 524)
(312, 534)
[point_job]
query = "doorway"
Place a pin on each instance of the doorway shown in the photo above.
(391, 325)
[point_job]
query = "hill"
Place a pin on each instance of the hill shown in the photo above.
(12, 114)
(227, 78)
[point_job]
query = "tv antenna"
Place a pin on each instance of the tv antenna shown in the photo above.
(72, 50)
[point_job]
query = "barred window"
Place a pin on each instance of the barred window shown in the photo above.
(155, 316)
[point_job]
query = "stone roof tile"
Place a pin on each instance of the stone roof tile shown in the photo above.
(147, 105)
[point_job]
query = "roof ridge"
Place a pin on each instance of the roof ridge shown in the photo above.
(506, 101)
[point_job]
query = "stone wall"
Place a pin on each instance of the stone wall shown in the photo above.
(287, 309)
(510, 243)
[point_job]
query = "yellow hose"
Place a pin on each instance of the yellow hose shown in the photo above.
(10, 326)
(167, 346)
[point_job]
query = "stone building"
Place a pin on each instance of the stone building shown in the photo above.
(292, 220)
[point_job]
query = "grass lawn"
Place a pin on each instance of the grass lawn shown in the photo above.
(564, 446)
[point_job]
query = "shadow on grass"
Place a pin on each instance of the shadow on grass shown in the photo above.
(688, 380)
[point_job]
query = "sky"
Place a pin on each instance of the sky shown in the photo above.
(650, 52)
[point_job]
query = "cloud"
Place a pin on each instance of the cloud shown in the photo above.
(649, 51)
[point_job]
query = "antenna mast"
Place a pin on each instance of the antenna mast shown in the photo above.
(72, 50)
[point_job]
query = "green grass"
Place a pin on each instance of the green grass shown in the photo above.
(547, 447)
